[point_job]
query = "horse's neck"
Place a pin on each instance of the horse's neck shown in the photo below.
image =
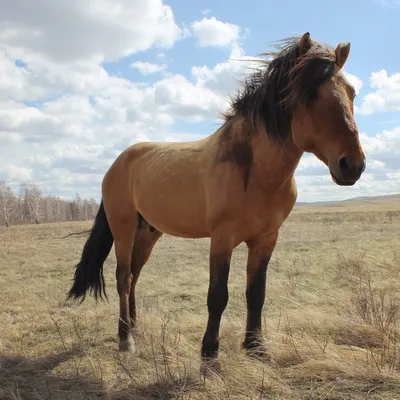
(268, 162)
(274, 162)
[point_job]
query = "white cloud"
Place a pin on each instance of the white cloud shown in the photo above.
(15, 173)
(17, 82)
(178, 96)
(386, 96)
(388, 3)
(384, 148)
(355, 81)
(64, 118)
(212, 32)
(90, 30)
(224, 78)
(147, 68)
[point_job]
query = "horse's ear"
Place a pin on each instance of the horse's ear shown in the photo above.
(305, 44)
(342, 53)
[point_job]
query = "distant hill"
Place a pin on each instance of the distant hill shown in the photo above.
(368, 199)
(355, 204)
(389, 197)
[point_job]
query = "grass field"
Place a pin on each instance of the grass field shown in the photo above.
(331, 319)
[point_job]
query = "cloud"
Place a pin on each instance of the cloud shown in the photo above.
(64, 117)
(225, 77)
(211, 32)
(91, 30)
(178, 96)
(384, 149)
(15, 173)
(386, 96)
(206, 96)
(147, 68)
(388, 3)
(355, 81)
(17, 82)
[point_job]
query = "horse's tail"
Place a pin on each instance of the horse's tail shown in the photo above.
(89, 271)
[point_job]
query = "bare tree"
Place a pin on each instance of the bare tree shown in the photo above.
(76, 208)
(7, 203)
(30, 205)
(58, 209)
(93, 208)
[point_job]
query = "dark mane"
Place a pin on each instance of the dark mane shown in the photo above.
(282, 83)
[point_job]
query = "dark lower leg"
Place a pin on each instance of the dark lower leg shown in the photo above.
(216, 302)
(255, 297)
(260, 252)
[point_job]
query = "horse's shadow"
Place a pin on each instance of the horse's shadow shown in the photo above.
(24, 378)
(168, 390)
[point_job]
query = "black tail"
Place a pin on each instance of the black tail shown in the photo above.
(89, 271)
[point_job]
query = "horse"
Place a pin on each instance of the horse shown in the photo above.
(235, 186)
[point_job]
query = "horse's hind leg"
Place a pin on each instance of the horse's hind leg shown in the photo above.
(145, 239)
(124, 231)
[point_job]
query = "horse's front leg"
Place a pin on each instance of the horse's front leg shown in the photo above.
(260, 252)
(220, 259)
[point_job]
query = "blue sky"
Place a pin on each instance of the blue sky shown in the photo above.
(82, 81)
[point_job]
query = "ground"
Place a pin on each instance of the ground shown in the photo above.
(331, 318)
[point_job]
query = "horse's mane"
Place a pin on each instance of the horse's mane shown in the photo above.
(280, 84)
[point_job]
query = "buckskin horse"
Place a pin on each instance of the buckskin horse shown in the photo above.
(236, 185)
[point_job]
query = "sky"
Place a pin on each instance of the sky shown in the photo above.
(81, 81)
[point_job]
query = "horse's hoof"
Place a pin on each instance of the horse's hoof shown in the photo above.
(210, 364)
(257, 351)
(210, 367)
(127, 346)
(259, 354)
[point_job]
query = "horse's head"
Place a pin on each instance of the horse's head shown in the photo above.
(323, 112)
(301, 95)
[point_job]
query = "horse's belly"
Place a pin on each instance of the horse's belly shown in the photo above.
(173, 205)
(184, 229)
(174, 218)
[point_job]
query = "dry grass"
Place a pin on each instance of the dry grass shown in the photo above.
(331, 317)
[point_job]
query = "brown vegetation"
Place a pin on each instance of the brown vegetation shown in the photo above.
(331, 317)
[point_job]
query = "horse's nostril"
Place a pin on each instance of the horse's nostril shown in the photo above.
(344, 164)
(349, 169)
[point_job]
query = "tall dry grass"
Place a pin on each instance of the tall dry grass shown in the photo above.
(331, 319)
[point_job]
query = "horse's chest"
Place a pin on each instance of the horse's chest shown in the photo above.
(266, 217)
(269, 213)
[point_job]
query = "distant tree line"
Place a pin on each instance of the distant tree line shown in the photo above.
(31, 206)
